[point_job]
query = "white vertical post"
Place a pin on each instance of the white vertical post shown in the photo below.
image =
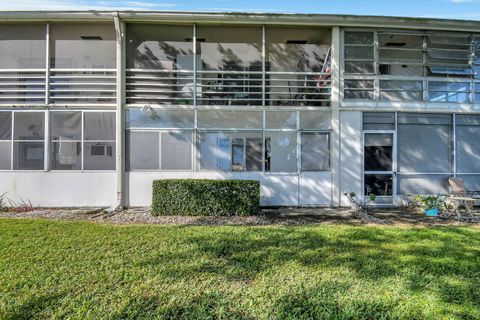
(264, 69)
(194, 43)
(335, 107)
(11, 140)
(454, 142)
(376, 81)
(299, 157)
(196, 158)
(47, 64)
(46, 147)
(119, 115)
(263, 140)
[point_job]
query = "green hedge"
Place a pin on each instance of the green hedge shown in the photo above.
(201, 197)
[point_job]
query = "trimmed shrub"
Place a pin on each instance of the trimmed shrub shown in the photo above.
(202, 197)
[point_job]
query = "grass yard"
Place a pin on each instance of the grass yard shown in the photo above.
(53, 269)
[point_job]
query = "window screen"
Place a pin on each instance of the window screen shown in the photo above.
(22, 46)
(230, 151)
(99, 125)
(359, 53)
(143, 150)
(176, 150)
(99, 144)
(424, 143)
(229, 119)
(378, 121)
(28, 143)
(5, 140)
(468, 146)
(66, 140)
(281, 151)
(154, 118)
(315, 151)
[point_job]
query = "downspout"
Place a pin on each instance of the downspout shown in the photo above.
(119, 115)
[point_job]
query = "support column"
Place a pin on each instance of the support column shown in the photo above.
(120, 123)
(335, 106)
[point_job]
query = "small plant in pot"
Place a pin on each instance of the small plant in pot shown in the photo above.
(430, 204)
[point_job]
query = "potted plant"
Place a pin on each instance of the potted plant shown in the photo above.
(431, 204)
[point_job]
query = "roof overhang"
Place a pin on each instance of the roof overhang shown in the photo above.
(243, 18)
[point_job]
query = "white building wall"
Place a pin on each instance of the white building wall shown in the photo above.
(276, 189)
(60, 189)
(350, 154)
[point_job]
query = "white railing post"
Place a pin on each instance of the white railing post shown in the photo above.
(335, 106)
(120, 123)
(47, 64)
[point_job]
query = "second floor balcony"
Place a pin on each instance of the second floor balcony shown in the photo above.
(228, 66)
(57, 64)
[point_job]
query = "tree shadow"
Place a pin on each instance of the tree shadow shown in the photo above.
(442, 262)
(33, 307)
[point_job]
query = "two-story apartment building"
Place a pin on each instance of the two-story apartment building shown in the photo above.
(96, 105)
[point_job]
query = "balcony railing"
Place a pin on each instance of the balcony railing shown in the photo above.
(66, 87)
(22, 86)
(82, 86)
(228, 88)
(159, 86)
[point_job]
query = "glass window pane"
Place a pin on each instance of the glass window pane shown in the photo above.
(315, 151)
(5, 155)
(99, 126)
(229, 119)
(22, 46)
(315, 120)
(354, 52)
(401, 95)
(83, 46)
(5, 125)
(155, 118)
(143, 150)
(176, 150)
(358, 94)
(66, 155)
(379, 184)
(281, 120)
(29, 126)
(230, 151)
(359, 67)
(28, 156)
(99, 156)
(358, 37)
(281, 151)
(359, 84)
(66, 125)
(378, 152)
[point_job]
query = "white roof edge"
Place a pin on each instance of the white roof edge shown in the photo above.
(244, 18)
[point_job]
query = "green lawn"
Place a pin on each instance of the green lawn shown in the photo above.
(51, 269)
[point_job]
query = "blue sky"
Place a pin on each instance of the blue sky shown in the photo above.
(450, 9)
